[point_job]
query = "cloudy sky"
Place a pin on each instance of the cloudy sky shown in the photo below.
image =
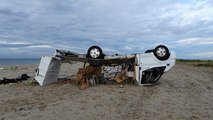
(31, 28)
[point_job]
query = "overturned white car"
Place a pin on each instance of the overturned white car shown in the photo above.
(142, 68)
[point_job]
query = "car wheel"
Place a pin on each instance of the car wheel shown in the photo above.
(95, 52)
(161, 52)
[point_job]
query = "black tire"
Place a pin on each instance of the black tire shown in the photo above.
(24, 77)
(161, 52)
(95, 52)
(149, 51)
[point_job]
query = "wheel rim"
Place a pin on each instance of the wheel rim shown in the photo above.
(161, 52)
(94, 53)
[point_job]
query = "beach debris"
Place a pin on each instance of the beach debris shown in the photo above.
(85, 76)
(121, 86)
(120, 77)
(141, 68)
(48, 70)
(14, 80)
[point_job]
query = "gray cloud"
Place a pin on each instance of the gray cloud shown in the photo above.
(10, 44)
(117, 25)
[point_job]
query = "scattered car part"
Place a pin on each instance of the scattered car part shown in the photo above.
(13, 80)
(48, 70)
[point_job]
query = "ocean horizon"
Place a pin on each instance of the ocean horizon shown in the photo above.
(19, 61)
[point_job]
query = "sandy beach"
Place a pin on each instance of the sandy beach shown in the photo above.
(184, 93)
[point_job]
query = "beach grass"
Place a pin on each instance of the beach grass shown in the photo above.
(10, 68)
(30, 82)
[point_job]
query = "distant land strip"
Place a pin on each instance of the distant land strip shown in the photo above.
(196, 62)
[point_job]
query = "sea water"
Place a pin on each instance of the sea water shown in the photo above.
(18, 61)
